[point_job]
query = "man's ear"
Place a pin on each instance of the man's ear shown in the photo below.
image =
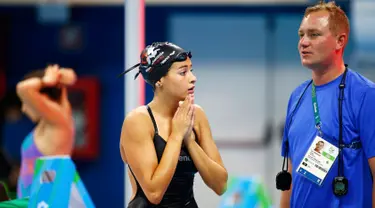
(342, 39)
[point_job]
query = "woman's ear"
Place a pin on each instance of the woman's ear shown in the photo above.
(158, 84)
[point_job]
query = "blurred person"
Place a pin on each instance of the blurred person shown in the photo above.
(13, 129)
(44, 100)
(337, 107)
(5, 166)
(14, 125)
(169, 140)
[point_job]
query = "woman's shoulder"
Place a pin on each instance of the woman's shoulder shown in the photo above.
(137, 113)
(199, 113)
(137, 117)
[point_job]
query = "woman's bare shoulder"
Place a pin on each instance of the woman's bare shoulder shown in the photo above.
(138, 114)
(137, 122)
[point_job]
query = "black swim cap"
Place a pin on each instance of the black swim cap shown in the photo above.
(156, 59)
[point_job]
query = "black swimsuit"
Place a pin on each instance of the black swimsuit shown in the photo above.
(180, 190)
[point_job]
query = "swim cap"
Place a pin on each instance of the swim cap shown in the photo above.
(156, 59)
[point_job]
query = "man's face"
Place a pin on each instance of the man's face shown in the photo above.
(320, 145)
(317, 45)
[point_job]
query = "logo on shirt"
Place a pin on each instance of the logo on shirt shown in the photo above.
(184, 158)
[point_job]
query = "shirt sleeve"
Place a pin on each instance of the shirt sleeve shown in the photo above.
(367, 123)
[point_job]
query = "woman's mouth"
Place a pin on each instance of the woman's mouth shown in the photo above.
(191, 90)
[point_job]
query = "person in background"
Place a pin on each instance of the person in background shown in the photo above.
(44, 98)
(14, 127)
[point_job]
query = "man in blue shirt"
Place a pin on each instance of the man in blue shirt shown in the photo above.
(314, 117)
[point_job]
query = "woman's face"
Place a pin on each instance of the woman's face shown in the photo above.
(180, 80)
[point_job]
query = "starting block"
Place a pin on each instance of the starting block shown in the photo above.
(57, 184)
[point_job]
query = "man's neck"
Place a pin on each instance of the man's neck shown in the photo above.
(325, 75)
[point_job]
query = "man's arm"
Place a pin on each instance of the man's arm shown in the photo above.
(366, 121)
(371, 162)
(285, 195)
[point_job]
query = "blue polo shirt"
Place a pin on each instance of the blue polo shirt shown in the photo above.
(358, 125)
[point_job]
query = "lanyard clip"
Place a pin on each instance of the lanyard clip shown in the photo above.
(318, 127)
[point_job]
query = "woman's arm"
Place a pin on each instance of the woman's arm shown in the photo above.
(68, 77)
(138, 147)
(29, 93)
(206, 156)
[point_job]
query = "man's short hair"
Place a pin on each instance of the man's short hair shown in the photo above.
(338, 21)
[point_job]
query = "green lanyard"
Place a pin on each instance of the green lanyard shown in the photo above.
(316, 109)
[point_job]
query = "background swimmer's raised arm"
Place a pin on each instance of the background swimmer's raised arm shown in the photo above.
(29, 91)
(138, 148)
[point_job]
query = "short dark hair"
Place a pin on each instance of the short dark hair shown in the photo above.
(54, 93)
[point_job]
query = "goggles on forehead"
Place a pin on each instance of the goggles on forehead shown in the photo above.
(182, 56)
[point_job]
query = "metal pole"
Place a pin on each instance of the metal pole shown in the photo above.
(134, 43)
